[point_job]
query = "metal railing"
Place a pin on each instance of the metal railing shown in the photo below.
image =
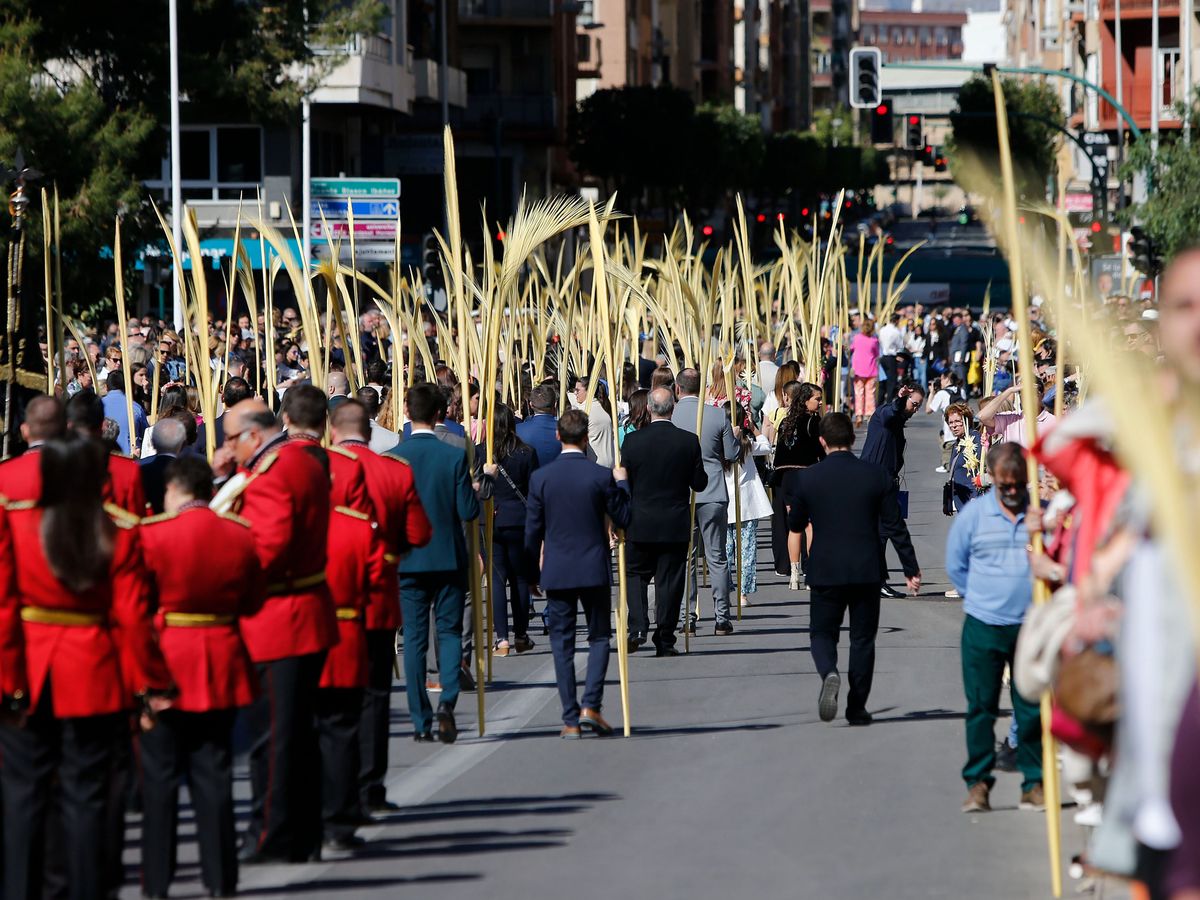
(505, 9)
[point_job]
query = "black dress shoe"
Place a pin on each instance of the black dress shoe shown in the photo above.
(423, 737)
(723, 628)
(447, 727)
(249, 856)
(666, 651)
(384, 806)
(890, 593)
(466, 680)
(344, 844)
(862, 717)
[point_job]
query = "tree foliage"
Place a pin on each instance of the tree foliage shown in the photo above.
(84, 95)
(1035, 122)
(1171, 211)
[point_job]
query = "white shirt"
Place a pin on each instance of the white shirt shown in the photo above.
(940, 402)
(891, 340)
(755, 504)
(767, 371)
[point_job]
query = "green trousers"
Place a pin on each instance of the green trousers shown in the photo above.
(985, 651)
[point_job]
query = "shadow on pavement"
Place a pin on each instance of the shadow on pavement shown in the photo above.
(359, 884)
(921, 715)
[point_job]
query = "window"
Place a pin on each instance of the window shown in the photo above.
(924, 33)
(868, 34)
(1170, 75)
(897, 36)
(940, 37)
(910, 35)
(216, 162)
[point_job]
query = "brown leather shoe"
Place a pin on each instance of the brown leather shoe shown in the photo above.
(977, 799)
(1034, 799)
(591, 718)
(570, 732)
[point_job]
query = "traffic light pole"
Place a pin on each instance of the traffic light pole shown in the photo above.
(1029, 70)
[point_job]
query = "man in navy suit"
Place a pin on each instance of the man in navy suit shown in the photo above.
(540, 430)
(168, 436)
(567, 505)
(433, 577)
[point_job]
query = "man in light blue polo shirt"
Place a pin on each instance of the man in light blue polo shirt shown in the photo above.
(988, 564)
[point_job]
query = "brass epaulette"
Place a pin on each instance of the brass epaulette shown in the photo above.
(122, 517)
(354, 513)
(14, 505)
(267, 462)
(343, 451)
(399, 459)
(234, 517)
(159, 517)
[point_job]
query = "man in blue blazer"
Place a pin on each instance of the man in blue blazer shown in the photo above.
(540, 430)
(567, 505)
(433, 578)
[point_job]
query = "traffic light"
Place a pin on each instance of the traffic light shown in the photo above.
(431, 261)
(927, 154)
(914, 132)
(1145, 255)
(883, 129)
(866, 64)
(939, 160)
(1099, 199)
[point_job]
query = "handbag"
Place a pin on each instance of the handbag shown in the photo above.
(948, 498)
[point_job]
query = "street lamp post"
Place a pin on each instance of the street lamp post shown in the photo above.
(176, 187)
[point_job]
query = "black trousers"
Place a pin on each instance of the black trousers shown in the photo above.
(666, 564)
(891, 370)
(72, 758)
(827, 608)
(509, 582)
(338, 714)
(196, 747)
(375, 722)
(285, 763)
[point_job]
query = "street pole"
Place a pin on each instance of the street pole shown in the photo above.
(1188, 13)
(1156, 84)
(443, 65)
(306, 175)
(1120, 66)
(176, 187)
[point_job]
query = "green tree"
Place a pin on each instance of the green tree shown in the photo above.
(726, 155)
(1171, 211)
(1035, 120)
(84, 95)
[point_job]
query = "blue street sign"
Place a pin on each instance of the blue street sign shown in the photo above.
(363, 209)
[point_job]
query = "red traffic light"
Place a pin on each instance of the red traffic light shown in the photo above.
(1096, 227)
(708, 230)
(804, 212)
(914, 120)
(881, 109)
(761, 217)
(849, 203)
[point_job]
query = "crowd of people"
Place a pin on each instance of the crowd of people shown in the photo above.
(143, 581)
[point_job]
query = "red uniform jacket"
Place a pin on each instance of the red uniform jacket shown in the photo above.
(202, 565)
(355, 558)
(95, 667)
(402, 524)
(21, 479)
(286, 500)
(347, 485)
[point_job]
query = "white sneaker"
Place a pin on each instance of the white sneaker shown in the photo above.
(953, 594)
(796, 578)
(1090, 816)
(745, 601)
(941, 470)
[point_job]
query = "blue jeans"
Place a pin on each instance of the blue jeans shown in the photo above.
(562, 609)
(921, 370)
(443, 594)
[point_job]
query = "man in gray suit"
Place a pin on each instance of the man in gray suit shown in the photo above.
(717, 446)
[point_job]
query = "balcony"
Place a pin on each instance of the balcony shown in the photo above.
(1139, 9)
(514, 111)
(428, 84)
(374, 73)
(538, 12)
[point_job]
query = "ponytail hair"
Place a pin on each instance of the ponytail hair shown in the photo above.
(77, 534)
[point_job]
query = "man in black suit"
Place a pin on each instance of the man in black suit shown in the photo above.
(168, 437)
(566, 510)
(849, 503)
(664, 465)
(236, 390)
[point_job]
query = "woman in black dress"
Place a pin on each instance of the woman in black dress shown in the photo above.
(797, 446)
(515, 461)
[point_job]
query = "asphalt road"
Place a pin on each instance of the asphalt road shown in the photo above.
(729, 784)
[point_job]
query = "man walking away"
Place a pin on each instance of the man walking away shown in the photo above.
(717, 447)
(664, 466)
(433, 578)
(987, 563)
(568, 503)
(539, 431)
(847, 501)
(884, 446)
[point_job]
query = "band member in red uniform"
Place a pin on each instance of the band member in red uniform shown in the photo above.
(203, 574)
(354, 563)
(282, 489)
(402, 524)
(303, 413)
(77, 650)
(85, 416)
(21, 477)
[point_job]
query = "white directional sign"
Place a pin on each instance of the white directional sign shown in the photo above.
(377, 230)
(363, 209)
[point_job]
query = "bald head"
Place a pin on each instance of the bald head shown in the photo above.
(661, 403)
(45, 418)
(339, 385)
(1179, 314)
(169, 436)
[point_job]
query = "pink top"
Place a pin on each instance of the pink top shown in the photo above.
(1010, 426)
(864, 356)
